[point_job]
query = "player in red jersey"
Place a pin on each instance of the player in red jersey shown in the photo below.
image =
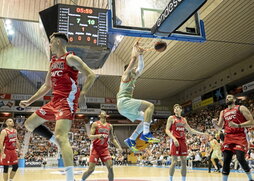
(62, 79)
(8, 145)
(101, 131)
(234, 119)
(175, 129)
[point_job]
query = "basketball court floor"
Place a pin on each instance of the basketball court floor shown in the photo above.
(123, 173)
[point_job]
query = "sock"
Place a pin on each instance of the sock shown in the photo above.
(43, 131)
(170, 178)
(146, 128)
(137, 131)
(224, 177)
(69, 173)
(183, 178)
(249, 175)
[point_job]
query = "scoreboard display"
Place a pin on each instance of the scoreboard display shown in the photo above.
(86, 28)
(84, 25)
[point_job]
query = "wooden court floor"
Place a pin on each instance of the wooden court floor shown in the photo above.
(122, 173)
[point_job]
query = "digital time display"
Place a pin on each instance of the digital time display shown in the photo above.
(85, 26)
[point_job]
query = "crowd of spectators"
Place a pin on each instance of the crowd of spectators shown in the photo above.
(155, 154)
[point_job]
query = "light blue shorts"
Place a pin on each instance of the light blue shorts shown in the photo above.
(129, 108)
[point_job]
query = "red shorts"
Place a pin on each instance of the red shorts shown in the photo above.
(234, 142)
(101, 153)
(59, 108)
(11, 158)
(181, 150)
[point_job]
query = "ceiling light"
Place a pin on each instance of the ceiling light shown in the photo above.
(10, 32)
(8, 22)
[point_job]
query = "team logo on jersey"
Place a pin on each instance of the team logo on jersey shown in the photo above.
(230, 117)
(233, 112)
(57, 65)
(179, 128)
(12, 135)
(179, 124)
(57, 73)
(103, 130)
(43, 112)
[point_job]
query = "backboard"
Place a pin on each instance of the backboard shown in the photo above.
(138, 17)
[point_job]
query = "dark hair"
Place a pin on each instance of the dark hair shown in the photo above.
(60, 35)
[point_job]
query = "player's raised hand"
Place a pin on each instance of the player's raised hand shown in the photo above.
(137, 50)
(24, 103)
(232, 124)
(102, 136)
(214, 120)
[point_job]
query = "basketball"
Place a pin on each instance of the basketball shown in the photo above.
(160, 46)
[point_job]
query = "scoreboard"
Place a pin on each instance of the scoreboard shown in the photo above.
(84, 25)
(86, 28)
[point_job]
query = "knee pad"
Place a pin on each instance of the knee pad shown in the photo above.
(15, 167)
(6, 167)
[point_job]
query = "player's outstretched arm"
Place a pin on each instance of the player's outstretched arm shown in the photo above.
(191, 130)
(2, 136)
(141, 65)
(248, 116)
(112, 137)
(44, 89)
(167, 130)
(77, 63)
(220, 123)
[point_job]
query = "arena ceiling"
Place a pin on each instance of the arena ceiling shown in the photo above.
(229, 27)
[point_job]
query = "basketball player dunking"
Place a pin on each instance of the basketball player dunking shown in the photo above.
(234, 119)
(101, 131)
(135, 109)
(62, 78)
(8, 145)
(175, 129)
